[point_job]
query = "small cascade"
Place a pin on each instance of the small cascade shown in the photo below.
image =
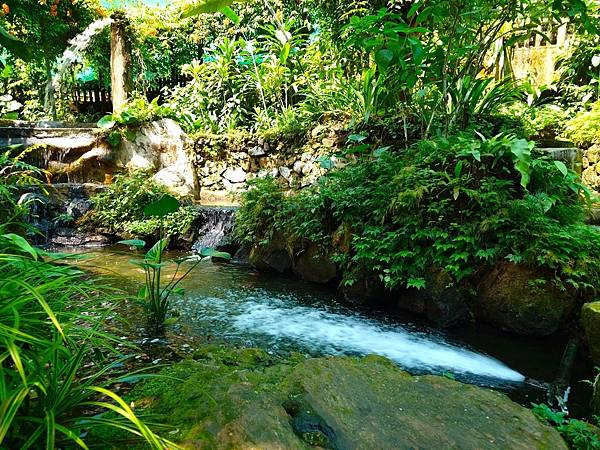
(76, 48)
(216, 226)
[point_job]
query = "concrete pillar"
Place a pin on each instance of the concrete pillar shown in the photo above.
(120, 61)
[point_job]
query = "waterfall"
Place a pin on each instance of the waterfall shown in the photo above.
(217, 223)
(73, 53)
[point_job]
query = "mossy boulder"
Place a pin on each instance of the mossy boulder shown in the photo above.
(248, 400)
(521, 300)
(313, 264)
(441, 301)
(272, 256)
(590, 320)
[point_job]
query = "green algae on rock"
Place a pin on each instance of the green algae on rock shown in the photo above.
(246, 399)
(590, 320)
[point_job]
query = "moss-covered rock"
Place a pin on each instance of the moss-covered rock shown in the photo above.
(245, 399)
(312, 264)
(274, 255)
(521, 300)
(590, 320)
(441, 301)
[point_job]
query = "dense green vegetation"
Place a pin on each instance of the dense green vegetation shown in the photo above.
(440, 171)
(459, 204)
(58, 362)
(120, 208)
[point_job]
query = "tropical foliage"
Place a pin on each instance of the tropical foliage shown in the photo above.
(459, 204)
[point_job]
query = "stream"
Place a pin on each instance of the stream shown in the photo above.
(235, 304)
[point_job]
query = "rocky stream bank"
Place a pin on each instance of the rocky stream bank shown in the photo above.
(246, 399)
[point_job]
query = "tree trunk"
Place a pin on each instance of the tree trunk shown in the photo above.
(49, 99)
(120, 62)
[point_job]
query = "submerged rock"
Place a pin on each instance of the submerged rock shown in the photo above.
(521, 300)
(244, 399)
(590, 320)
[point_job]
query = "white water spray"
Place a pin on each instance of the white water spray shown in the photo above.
(74, 52)
(281, 320)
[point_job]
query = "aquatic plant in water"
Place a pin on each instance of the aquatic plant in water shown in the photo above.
(155, 294)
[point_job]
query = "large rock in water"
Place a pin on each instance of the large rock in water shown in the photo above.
(245, 400)
(441, 301)
(590, 320)
(272, 256)
(521, 300)
(314, 265)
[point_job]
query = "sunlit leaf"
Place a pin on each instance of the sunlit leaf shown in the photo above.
(561, 167)
(107, 122)
(155, 253)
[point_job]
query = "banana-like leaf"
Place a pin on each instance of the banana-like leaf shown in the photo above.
(210, 7)
(13, 45)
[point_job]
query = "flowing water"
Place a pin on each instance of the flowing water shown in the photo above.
(235, 304)
(77, 47)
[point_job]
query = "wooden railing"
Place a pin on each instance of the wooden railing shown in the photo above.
(91, 100)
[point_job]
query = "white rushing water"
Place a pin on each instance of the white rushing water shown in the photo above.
(77, 47)
(281, 320)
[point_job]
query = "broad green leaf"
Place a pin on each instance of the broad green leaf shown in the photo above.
(155, 253)
(378, 152)
(325, 162)
(525, 170)
(561, 167)
(384, 58)
(107, 122)
(521, 150)
(206, 252)
(230, 14)
(356, 138)
(114, 138)
(163, 207)
(137, 243)
(205, 7)
(458, 169)
(185, 259)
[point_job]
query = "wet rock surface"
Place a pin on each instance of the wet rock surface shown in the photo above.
(313, 265)
(590, 320)
(521, 300)
(247, 399)
(440, 301)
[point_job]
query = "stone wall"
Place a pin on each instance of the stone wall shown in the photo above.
(225, 163)
(591, 167)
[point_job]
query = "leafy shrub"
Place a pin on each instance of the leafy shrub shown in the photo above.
(121, 207)
(55, 374)
(459, 204)
(576, 432)
(584, 128)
